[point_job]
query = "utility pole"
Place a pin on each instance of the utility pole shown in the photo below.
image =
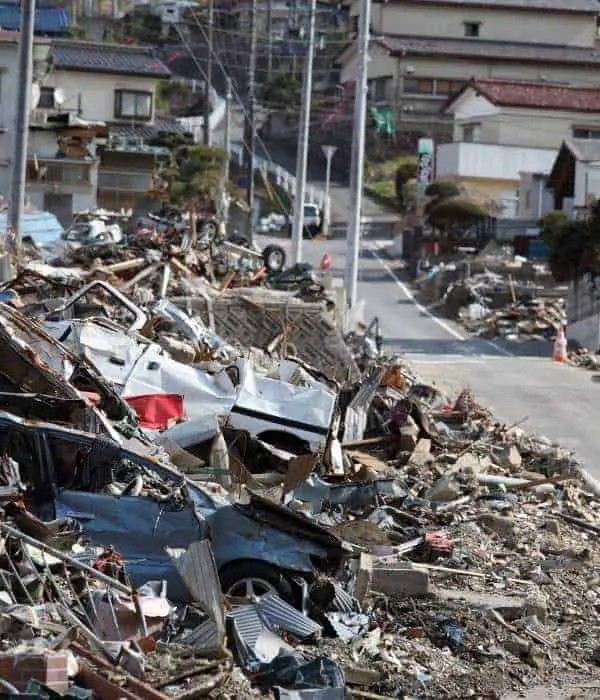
(269, 39)
(224, 198)
(21, 126)
(303, 134)
(357, 162)
(250, 129)
(208, 86)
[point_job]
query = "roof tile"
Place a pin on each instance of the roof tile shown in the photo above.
(539, 95)
(107, 58)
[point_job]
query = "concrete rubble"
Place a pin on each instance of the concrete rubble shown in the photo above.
(189, 512)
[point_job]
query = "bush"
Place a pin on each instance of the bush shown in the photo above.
(442, 189)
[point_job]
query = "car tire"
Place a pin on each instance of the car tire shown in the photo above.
(274, 258)
(235, 576)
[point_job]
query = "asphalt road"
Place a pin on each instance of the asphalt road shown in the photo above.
(515, 380)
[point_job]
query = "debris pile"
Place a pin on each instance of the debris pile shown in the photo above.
(496, 298)
(214, 493)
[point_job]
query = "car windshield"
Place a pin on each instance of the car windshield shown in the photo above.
(310, 210)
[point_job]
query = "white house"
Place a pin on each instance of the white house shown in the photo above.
(502, 128)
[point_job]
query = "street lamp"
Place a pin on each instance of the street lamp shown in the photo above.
(328, 152)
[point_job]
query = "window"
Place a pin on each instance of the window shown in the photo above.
(445, 87)
(527, 200)
(471, 133)
(418, 86)
(133, 105)
(68, 174)
(583, 132)
(46, 100)
(378, 89)
(472, 28)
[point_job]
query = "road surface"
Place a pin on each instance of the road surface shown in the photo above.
(516, 381)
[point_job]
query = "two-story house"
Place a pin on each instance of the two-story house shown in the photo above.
(422, 51)
(91, 127)
(506, 129)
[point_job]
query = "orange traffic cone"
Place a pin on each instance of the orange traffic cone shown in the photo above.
(559, 352)
(325, 265)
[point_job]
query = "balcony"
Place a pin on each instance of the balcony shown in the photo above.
(134, 144)
(125, 181)
(59, 172)
(487, 161)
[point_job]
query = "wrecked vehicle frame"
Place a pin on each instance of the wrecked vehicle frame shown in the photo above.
(259, 545)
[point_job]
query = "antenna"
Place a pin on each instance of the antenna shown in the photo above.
(59, 97)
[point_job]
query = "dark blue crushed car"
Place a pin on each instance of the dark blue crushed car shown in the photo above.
(143, 508)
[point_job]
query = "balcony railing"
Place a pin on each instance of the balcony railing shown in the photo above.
(74, 174)
(129, 182)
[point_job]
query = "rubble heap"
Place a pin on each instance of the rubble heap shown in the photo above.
(494, 298)
(214, 493)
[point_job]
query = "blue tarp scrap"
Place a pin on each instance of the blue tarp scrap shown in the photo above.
(41, 226)
(48, 20)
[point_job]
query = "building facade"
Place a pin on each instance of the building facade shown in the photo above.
(102, 98)
(502, 129)
(424, 50)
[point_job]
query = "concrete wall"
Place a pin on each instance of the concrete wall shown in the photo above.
(535, 201)
(587, 183)
(490, 161)
(583, 313)
(503, 24)
(8, 104)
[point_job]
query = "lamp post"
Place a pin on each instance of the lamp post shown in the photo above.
(328, 152)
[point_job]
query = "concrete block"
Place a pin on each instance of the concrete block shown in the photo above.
(401, 578)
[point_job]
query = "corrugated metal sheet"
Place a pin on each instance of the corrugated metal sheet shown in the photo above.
(355, 420)
(198, 570)
(48, 20)
(277, 613)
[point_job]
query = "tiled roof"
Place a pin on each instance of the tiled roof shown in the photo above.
(538, 95)
(167, 125)
(473, 49)
(107, 58)
(590, 6)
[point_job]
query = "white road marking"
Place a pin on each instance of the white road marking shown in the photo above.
(441, 323)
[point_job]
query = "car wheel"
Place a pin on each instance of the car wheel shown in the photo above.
(274, 258)
(249, 579)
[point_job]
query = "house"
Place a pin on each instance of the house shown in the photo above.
(101, 97)
(502, 128)
(575, 176)
(422, 51)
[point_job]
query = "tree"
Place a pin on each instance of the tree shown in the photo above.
(405, 172)
(193, 178)
(282, 91)
(574, 245)
(442, 189)
(453, 217)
